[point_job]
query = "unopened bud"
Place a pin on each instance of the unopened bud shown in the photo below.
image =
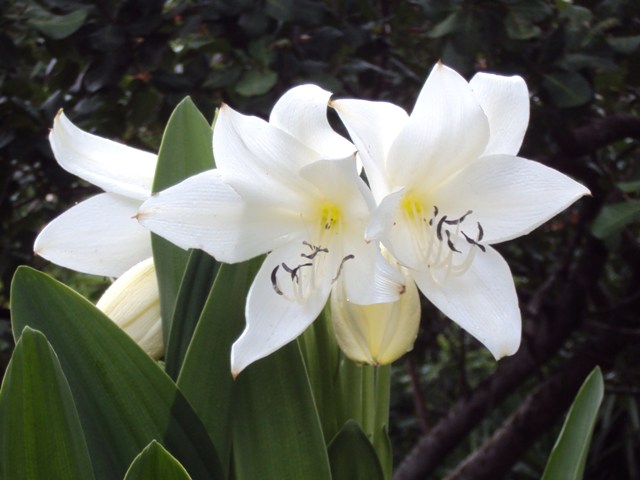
(133, 303)
(380, 333)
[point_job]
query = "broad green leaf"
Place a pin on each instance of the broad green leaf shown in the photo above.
(276, 429)
(352, 456)
(613, 218)
(205, 377)
(186, 149)
(155, 463)
(567, 89)
(322, 359)
(624, 45)
(569, 454)
(40, 432)
(124, 399)
(194, 290)
(256, 82)
(58, 26)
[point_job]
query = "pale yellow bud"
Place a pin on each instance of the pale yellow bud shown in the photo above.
(133, 303)
(380, 333)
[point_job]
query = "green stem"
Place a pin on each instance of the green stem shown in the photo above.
(369, 394)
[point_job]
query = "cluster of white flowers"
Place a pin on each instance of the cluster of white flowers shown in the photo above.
(444, 184)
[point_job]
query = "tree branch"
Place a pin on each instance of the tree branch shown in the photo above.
(600, 133)
(539, 412)
(543, 336)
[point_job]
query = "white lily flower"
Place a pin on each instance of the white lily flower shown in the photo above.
(99, 235)
(448, 184)
(133, 303)
(289, 187)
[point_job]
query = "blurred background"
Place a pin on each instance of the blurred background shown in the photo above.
(118, 68)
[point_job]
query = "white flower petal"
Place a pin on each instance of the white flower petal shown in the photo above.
(204, 212)
(97, 236)
(337, 181)
(373, 126)
(482, 301)
(510, 196)
(254, 155)
(368, 278)
(302, 112)
(273, 320)
(446, 130)
(505, 101)
(383, 216)
(110, 165)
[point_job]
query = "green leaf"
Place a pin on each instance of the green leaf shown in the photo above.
(186, 149)
(280, 9)
(322, 360)
(624, 45)
(567, 89)
(629, 187)
(154, 463)
(613, 218)
(569, 454)
(276, 429)
(198, 277)
(352, 456)
(124, 399)
(520, 20)
(58, 26)
(256, 82)
(40, 432)
(451, 24)
(222, 319)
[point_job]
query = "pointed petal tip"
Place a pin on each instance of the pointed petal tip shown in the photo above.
(505, 349)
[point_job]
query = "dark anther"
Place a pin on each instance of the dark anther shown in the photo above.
(348, 257)
(294, 271)
(474, 242)
(435, 214)
(439, 227)
(316, 250)
(459, 220)
(480, 232)
(450, 243)
(274, 281)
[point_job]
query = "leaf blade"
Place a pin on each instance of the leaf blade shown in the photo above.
(155, 462)
(34, 393)
(124, 399)
(569, 454)
(186, 149)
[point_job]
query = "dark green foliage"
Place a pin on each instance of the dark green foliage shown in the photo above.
(119, 69)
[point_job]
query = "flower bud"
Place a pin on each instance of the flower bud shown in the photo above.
(133, 303)
(380, 333)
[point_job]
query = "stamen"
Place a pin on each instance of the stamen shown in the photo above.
(450, 243)
(439, 227)
(348, 257)
(474, 242)
(316, 250)
(274, 281)
(294, 271)
(459, 220)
